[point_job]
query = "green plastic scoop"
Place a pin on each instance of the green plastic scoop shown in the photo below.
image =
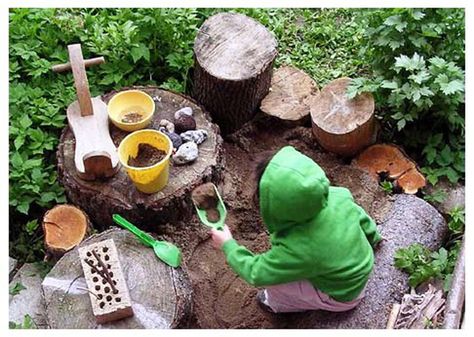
(166, 251)
(202, 213)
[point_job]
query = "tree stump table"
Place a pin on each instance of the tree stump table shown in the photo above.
(101, 199)
(234, 55)
(160, 295)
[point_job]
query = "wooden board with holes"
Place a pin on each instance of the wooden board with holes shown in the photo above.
(95, 153)
(109, 294)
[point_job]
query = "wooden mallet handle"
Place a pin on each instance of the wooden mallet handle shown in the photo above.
(60, 68)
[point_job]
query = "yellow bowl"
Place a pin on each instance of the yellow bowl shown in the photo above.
(149, 179)
(131, 101)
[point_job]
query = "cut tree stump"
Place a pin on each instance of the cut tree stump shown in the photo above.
(233, 68)
(290, 96)
(160, 295)
(101, 199)
(64, 227)
(455, 299)
(341, 125)
(390, 161)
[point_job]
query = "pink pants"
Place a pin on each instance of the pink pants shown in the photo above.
(302, 296)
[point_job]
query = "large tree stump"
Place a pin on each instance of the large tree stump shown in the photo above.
(341, 125)
(290, 95)
(100, 199)
(161, 295)
(233, 68)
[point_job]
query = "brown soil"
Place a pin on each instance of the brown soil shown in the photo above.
(147, 156)
(221, 298)
(132, 117)
(205, 197)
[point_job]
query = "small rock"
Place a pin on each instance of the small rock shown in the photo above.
(175, 139)
(452, 195)
(184, 123)
(28, 301)
(184, 111)
(167, 125)
(188, 152)
(197, 136)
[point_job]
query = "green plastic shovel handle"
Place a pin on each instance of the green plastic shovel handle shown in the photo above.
(202, 214)
(145, 238)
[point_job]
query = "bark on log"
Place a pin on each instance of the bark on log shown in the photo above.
(290, 95)
(391, 161)
(161, 295)
(64, 227)
(100, 199)
(341, 125)
(233, 68)
(455, 299)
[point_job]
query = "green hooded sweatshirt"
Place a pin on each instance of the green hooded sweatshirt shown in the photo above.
(317, 232)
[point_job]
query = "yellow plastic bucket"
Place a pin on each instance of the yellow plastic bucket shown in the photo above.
(131, 101)
(149, 179)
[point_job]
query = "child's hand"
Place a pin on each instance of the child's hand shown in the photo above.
(220, 237)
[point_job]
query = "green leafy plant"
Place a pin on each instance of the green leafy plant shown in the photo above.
(16, 288)
(28, 323)
(456, 220)
(387, 186)
(418, 80)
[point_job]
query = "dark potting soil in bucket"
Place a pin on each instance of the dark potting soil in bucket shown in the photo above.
(147, 156)
(205, 198)
(132, 117)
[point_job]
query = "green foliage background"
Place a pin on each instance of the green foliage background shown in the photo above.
(145, 46)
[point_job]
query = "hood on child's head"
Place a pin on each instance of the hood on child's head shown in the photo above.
(293, 189)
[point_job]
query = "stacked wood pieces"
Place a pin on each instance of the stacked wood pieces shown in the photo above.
(390, 162)
(341, 125)
(290, 96)
(64, 226)
(421, 311)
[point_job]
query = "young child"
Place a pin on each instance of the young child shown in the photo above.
(322, 242)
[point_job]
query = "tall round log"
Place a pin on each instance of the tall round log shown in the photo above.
(342, 125)
(233, 68)
(102, 198)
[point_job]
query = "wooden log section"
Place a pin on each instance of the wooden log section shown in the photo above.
(290, 95)
(455, 300)
(64, 227)
(160, 296)
(391, 162)
(341, 125)
(100, 199)
(233, 68)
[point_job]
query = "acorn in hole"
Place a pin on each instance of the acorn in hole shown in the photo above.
(109, 298)
(101, 304)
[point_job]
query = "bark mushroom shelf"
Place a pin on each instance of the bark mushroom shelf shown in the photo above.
(161, 296)
(234, 55)
(100, 199)
(341, 125)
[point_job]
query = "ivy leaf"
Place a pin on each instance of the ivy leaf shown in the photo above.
(15, 289)
(452, 87)
(389, 84)
(414, 63)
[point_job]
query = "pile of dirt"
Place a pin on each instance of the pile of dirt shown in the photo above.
(132, 117)
(147, 156)
(205, 198)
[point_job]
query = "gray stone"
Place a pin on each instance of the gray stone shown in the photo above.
(454, 195)
(28, 301)
(197, 136)
(187, 153)
(12, 263)
(175, 139)
(167, 125)
(410, 220)
(184, 111)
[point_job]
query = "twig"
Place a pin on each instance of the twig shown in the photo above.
(393, 316)
(105, 271)
(102, 274)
